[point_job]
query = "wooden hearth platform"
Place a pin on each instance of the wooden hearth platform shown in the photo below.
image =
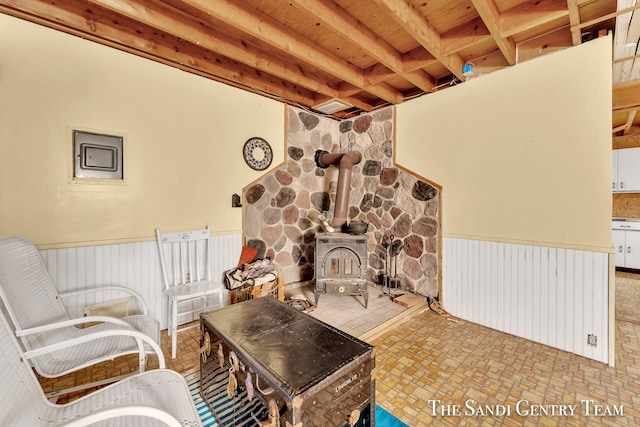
(409, 300)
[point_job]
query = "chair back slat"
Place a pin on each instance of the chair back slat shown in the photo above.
(178, 263)
(196, 259)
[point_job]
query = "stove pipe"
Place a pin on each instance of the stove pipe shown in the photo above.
(345, 162)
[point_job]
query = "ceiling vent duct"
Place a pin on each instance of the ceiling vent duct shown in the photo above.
(331, 106)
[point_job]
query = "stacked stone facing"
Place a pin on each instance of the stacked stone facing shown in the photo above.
(281, 208)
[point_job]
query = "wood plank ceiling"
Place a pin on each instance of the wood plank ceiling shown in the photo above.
(341, 57)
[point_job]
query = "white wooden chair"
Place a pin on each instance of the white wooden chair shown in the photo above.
(158, 397)
(185, 257)
(54, 343)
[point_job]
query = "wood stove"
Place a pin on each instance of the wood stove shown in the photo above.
(341, 265)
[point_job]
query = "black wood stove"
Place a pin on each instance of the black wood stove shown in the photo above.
(341, 265)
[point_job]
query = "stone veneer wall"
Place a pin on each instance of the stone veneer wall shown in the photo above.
(281, 208)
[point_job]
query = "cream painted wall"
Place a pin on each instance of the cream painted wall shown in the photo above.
(184, 137)
(523, 154)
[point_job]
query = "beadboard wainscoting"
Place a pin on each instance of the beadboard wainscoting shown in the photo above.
(554, 296)
(133, 265)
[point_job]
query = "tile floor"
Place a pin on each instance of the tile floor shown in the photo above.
(430, 358)
(434, 359)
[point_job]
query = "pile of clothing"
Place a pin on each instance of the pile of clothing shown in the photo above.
(242, 281)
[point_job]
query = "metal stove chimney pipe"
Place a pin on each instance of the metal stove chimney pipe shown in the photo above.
(345, 162)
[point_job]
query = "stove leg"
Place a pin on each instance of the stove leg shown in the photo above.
(317, 297)
(366, 299)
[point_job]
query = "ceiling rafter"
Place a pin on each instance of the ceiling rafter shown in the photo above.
(618, 128)
(607, 17)
(417, 58)
(574, 21)
(349, 27)
(531, 14)
(464, 36)
(630, 118)
(420, 79)
(377, 74)
(491, 17)
(626, 96)
(259, 25)
(416, 24)
(162, 17)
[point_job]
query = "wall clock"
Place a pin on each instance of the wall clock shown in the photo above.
(257, 153)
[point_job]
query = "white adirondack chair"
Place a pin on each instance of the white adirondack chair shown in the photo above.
(158, 397)
(54, 343)
(185, 257)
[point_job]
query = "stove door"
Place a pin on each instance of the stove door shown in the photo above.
(341, 263)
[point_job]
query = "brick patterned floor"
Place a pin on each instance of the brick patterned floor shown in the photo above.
(434, 359)
(187, 361)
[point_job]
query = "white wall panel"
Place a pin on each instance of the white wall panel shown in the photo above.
(554, 296)
(133, 265)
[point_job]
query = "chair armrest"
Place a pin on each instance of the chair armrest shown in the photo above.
(131, 292)
(125, 411)
(72, 322)
(127, 330)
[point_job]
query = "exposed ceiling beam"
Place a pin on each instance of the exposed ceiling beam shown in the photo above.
(618, 128)
(349, 27)
(630, 118)
(420, 79)
(626, 96)
(415, 24)
(607, 17)
(464, 36)
(267, 29)
(377, 74)
(529, 15)
(167, 19)
(490, 15)
(384, 91)
(574, 21)
(417, 58)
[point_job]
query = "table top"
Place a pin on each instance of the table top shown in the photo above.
(292, 348)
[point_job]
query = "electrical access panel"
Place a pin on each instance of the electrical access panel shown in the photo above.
(97, 156)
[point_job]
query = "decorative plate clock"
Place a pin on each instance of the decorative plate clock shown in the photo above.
(257, 153)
